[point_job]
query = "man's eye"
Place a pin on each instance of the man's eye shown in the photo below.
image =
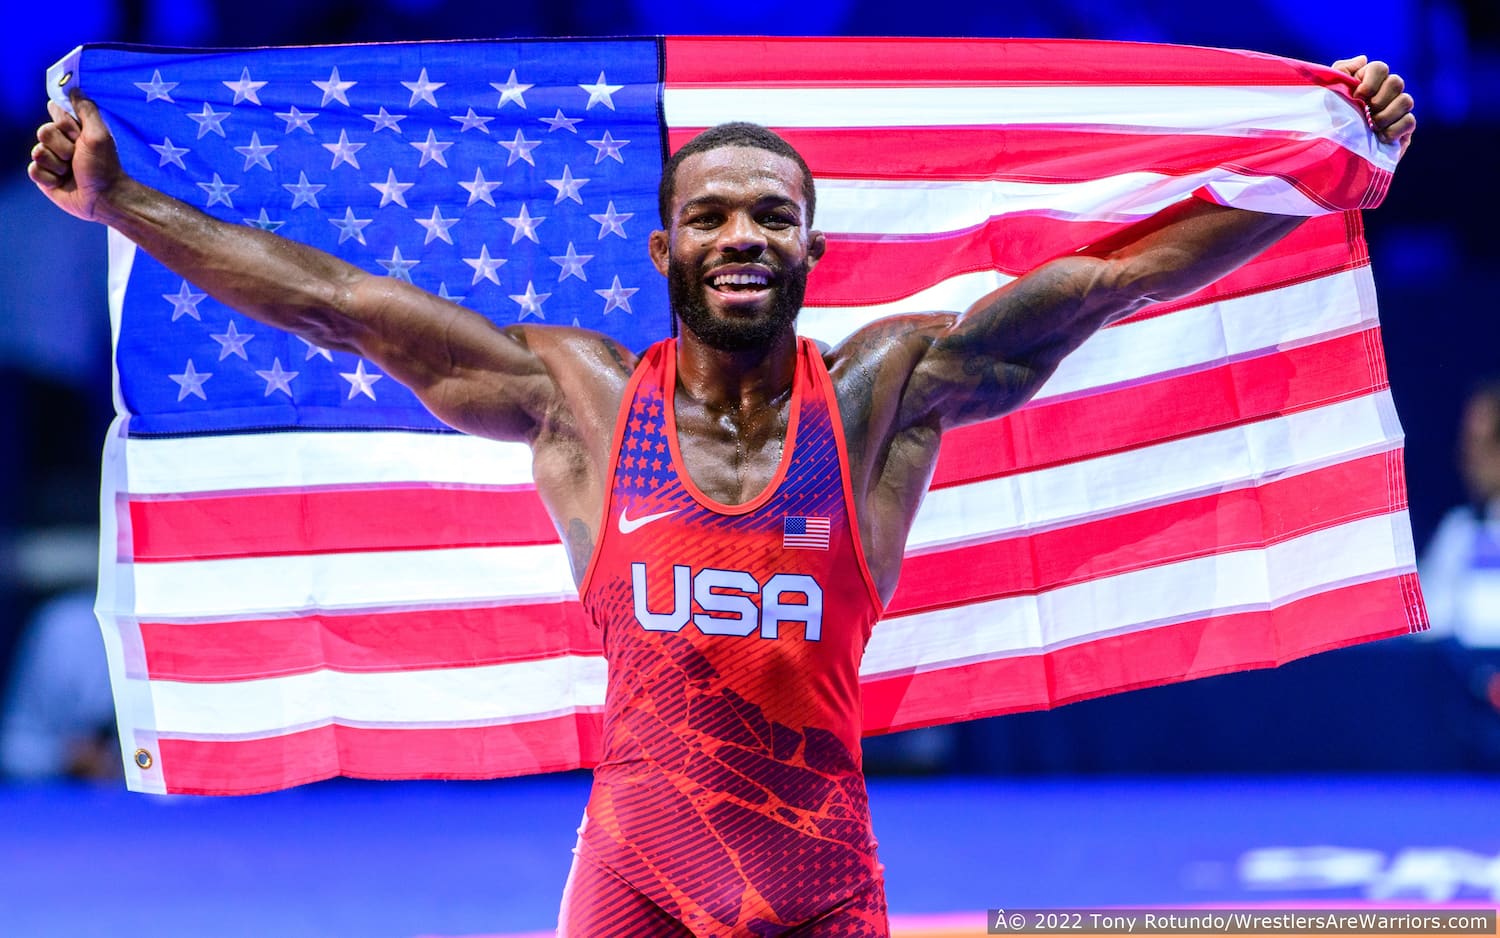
(705, 220)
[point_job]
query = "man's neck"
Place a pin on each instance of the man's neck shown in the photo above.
(736, 381)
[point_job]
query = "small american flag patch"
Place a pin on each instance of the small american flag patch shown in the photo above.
(802, 533)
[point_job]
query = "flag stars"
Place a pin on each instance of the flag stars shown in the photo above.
(255, 154)
(443, 292)
(156, 89)
(422, 89)
(360, 381)
(385, 120)
(191, 382)
(396, 266)
(512, 90)
(561, 121)
(185, 302)
(617, 297)
(432, 150)
(471, 121)
(350, 227)
(232, 342)
(437, 226)
(612, 222)
(218, 191)
(485, 266)
(600, 92)
(343, 151)
(571, 264)
(334, 88)
(277, 379)
(318, 350)
(264, 222)
(169, 153)
(530, 302)
(525, 225)
(391, 190)
(297, 119)
(608, 146)
(520, 149)
(209, 120)
(245, 89)
(303, 192)
(479, 190)
(567, 187)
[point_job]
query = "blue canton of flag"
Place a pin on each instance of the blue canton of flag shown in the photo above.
(518, 179)
(803, 533)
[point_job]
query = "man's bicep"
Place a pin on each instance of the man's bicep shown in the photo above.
(996, 356)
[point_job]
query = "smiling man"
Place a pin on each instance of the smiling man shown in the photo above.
(735, 502)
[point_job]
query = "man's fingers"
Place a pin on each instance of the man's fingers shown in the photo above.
(63, 120)
(48, 160)
(1350, 66)
(42, 177)
(1389, 91)
(1401, 130)
(1371, 77)
(55, 139)
(1399, 107)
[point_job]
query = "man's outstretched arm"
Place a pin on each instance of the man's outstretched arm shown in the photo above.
(994, 357)
(481, 379)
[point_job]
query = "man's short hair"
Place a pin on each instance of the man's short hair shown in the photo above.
(734, 134)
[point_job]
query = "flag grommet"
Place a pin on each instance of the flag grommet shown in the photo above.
(143, 759)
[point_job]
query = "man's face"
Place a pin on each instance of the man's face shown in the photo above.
(737, 249)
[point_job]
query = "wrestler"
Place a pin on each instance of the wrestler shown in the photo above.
(734, 502)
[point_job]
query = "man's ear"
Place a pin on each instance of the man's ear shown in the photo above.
(660, 246)
(816, 245)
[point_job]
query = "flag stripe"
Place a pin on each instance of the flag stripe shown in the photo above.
(902, 61)
(1063, 429)
(1052, 154)
(1201, 647)
(430, 638)
(245, 767)
(1035, 500)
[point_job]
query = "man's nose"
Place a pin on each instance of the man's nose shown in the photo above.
(741, 233)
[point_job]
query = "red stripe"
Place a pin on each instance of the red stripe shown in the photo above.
(1051, 154)
(1240, 519)
(252, 524)
(902, 62)
(398, 641)
(247, 767)
(1178, 652)
(362, 642)
(1068, 429)
(320, 520)
(861, 270)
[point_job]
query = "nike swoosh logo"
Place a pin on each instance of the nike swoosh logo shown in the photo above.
(628, 524)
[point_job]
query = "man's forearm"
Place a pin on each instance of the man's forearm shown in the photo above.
(269, 278)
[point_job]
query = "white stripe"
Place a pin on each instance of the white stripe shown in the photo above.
(1243, 580)
(498, 693)
(283, 460)
(1186, 339)
(1225, 109)
(260, 585)
(876, 207)
(1153, 475)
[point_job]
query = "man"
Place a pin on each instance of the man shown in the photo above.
(734, 503)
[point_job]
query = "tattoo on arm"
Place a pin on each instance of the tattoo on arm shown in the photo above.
(614, 353)
(580, 546)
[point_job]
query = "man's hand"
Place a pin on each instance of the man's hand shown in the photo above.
(74, 161)
(1385, 99)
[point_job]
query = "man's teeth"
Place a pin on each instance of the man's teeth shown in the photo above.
(740, 280)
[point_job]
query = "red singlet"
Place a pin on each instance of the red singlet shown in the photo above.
(730, 796)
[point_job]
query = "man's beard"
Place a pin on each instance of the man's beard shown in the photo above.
(730, 333)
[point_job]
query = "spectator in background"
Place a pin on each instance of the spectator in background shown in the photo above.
(1460, 572)
(58, 717)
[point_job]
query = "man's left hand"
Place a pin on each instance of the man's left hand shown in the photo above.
(1385, 99)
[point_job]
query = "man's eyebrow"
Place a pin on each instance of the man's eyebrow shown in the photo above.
(765, 201)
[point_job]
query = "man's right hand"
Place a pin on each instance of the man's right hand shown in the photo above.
(74, 161)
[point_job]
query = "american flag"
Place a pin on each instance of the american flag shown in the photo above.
(305, 575)
(802, 533)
